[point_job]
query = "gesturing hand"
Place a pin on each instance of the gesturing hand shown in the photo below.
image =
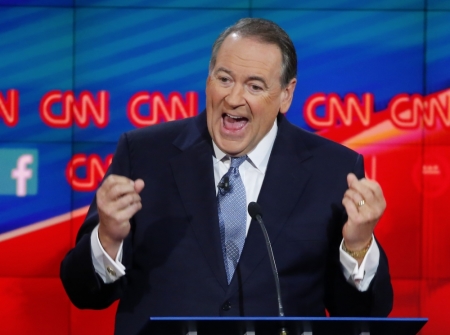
(117, 201)
(364, 203)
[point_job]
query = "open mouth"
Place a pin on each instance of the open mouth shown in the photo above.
(232, 122)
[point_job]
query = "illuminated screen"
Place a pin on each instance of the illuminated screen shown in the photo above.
(372, 75)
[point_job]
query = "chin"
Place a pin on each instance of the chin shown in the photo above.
(231, 150)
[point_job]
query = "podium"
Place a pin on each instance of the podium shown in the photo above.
(276, 325)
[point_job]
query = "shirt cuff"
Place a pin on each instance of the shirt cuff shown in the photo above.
(360, 276)
(108, 269)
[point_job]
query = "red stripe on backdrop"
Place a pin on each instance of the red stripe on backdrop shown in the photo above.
(32, 296)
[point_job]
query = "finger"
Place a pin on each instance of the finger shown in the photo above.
(122, 209)
(365, 213)
(127, 213)
(351, 178)
(139, 185)
(362, 187)
(351, 209)
(120, 190)
(354, 213)
(109, 203)
(126, 201)
(356, 197)
(373, 186)
(113, 180)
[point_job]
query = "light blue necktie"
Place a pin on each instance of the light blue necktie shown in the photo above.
(232, 207)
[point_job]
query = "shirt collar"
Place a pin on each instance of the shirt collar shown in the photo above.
(259, 156)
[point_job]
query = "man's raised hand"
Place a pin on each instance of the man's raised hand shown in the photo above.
(365, 204)
(117, 201)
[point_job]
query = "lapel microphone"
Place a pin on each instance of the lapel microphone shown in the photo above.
(255, 212)
(224, 184)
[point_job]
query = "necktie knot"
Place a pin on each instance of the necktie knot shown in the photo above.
(237, 161)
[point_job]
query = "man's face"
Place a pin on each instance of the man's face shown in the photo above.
(244, 94)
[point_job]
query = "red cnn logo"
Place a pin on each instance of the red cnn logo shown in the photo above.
(411, 111)
(95, 170)
(157, 109)
(346, 112)
(9, 107)
(80, 110)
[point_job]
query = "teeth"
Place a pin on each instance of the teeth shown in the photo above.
(234, 117)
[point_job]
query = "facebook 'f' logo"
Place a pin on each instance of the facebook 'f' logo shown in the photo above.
(18, 172)
(22, 173)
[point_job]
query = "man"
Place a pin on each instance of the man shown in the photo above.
(158, 236)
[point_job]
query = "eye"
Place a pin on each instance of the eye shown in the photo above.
(224, 79)
(256, 88)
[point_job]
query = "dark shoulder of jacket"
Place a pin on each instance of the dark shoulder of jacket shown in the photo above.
(329, 158)
(319, 145)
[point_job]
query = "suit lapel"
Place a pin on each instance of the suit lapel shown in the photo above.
(194, 176)
(287, 174)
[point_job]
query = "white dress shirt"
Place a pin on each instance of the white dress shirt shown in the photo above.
(252, 173)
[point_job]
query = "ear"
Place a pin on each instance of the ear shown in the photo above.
(208, 82)
(287, 95)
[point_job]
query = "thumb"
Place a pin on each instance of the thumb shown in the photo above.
(351, 178)
(139, 185)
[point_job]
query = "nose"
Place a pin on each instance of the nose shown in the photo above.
(235, 98)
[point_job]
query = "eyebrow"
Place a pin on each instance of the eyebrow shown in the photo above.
(258, 78)
(261, 79)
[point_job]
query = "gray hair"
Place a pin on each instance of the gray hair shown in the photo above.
(267, 32)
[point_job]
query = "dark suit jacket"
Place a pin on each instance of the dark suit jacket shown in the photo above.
(173, 257)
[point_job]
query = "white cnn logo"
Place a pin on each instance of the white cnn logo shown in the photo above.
(22, 173)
